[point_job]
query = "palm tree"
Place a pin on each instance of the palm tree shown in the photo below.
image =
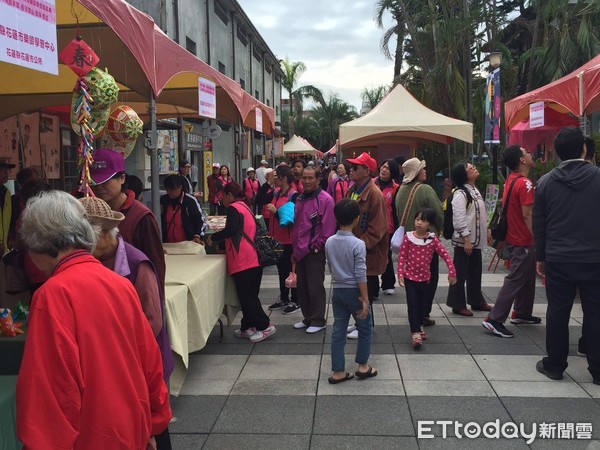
(371, 97)
(328, 117)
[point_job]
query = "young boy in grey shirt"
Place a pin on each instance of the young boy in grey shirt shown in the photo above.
(346, 257)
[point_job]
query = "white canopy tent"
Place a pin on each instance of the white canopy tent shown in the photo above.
(299, 146)
(400, 118)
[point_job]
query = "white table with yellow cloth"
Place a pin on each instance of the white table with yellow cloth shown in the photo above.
(198, 291)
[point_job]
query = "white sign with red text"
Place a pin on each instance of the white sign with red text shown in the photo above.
(259, 127)
(207, 98)
(28, 34)
(536, 114)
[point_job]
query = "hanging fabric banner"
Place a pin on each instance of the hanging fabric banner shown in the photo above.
(207, 98)
(28, 34)
(259, 121)
(493, 108)
(29, 130)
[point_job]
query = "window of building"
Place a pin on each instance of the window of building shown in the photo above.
(276, 109)
(221, 68)
(257, 95)
(190, 45)
(242, 83)
(242, 37)
(268, 102)
(221, 12)
(257, 55)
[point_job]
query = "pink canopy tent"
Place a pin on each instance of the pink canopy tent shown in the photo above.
(577, 93)
(529, 138)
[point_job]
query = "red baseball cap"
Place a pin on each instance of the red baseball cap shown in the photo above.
(365, 160)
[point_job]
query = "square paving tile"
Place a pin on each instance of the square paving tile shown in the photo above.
(187, 441)
(206, 387)
(369, 415)
(565, 388)
(256, 441)
(494, 347)
(431, 347)
(291, 414)
(578, 369)
(328, 442)
(479, 335)
(445, 388)
(439, 367)
(216, 367)
(371, 386)
(268, 347)
(275, 387)
(452, 443)
(187, 408)
(442, 334)
(281, 367)
(509, 368)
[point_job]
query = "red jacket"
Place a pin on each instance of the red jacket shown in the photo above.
(91, 376)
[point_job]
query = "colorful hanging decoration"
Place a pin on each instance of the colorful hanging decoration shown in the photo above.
(78, 56)
(124, 127)
(8, 327)
(93, 94)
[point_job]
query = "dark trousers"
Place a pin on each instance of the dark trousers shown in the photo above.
(468, 269)
(372, 287)
(212, 208)
(388, 278)
(434, 268)
(416, 302)
(163, 440)
(284, 267)
(518, 286)
(311, 289)
(247, 285)
(562, 282)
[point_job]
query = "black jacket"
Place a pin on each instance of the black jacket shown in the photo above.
(191, 217)
(566, 214)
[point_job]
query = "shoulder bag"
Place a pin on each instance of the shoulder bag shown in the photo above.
(499, 227)
(398, 236)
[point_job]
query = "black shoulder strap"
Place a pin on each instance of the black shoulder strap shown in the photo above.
(512, 185)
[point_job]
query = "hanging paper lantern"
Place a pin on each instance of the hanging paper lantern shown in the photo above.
(102, 87)
(78, 56)
(124, 124)
(124, 127)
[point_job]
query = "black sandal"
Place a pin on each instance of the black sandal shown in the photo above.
(347, 377)
(368, 374)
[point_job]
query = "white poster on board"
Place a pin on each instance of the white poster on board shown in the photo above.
(207, 98)
(259, 124)
(28, 34)
(536, 114)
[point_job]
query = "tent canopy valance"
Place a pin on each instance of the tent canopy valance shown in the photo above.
(577, 93)
(399, 117)
(300, 146)
(141, 58)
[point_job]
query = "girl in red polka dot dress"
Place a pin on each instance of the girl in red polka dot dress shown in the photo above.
(414, 260)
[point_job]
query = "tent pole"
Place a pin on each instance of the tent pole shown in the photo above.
(151, 138)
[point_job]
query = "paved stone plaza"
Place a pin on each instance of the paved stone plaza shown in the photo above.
(275, 394)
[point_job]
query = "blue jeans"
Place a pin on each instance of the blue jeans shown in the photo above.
(345, 303)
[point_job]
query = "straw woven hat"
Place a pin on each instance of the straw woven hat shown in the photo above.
(99, 213)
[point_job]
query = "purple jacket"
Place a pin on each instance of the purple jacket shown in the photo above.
(127, 260)
(314, 222)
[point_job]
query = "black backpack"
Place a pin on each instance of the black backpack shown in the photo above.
(448, 224)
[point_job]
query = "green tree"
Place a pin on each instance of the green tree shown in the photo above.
(371, 97)
(328, 118)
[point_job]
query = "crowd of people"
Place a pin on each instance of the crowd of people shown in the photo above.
(82, 255)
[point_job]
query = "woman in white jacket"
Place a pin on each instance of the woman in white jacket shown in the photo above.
(469, 219)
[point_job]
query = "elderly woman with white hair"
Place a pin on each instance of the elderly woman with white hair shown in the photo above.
(91, 376)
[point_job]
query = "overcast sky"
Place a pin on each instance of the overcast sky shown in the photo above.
(337, 41)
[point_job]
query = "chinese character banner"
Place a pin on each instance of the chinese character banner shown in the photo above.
(28, 34)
